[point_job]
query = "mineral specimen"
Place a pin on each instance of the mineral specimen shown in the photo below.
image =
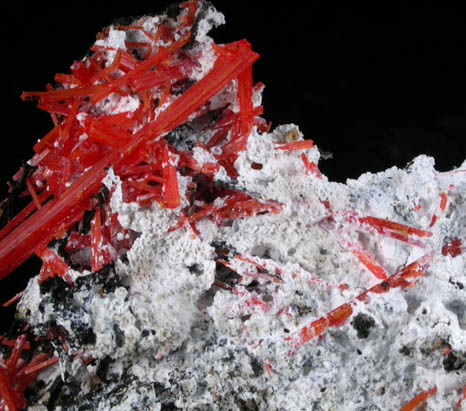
(194, 258)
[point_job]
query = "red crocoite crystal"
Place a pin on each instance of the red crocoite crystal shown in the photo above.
(16, 374)
(71, 160)
(419, 399)
(68, 169)
(120, 112)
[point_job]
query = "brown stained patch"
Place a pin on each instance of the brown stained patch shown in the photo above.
(291, 135)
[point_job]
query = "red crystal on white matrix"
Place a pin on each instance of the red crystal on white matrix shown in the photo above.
(162, 120)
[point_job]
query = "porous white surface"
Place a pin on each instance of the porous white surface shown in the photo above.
(220, 344)
(203, 347)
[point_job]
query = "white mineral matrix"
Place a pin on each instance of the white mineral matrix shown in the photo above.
(210, 265)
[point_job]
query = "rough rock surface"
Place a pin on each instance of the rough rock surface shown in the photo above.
(215, 320)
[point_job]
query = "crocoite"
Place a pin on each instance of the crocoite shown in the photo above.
(195, 259)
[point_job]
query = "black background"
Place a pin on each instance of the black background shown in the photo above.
(375, 87)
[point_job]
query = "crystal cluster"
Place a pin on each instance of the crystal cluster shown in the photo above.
(194, 258)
